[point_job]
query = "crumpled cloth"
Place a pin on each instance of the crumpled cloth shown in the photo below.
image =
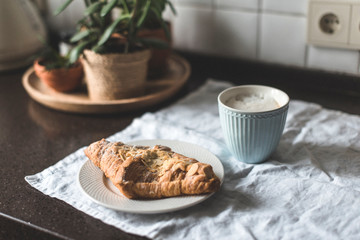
(308, 189)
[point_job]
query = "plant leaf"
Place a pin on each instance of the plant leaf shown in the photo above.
(166, 29)
(159, 5)
(98, 49)
(80, 35)
(156, 11)
(62, 7)
(111, 29)
(144, 14)
(125, 6)
(171, 7)
(76, 51)
(163, 23)
(107, 8)
(93, 8)
(154, 42)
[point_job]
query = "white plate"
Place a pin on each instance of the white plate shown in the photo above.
(100, 189)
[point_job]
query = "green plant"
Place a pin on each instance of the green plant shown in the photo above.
(96, 28)
(51, 58)
(154, 18)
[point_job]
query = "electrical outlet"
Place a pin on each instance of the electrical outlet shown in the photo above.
(334, 23)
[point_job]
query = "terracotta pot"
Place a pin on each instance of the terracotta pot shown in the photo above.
(115, 76)
(159, 57)
(61, 79)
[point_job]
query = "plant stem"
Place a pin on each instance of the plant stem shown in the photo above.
(132, 23)
(126, 9)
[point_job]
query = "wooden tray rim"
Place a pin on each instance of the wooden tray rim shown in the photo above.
(46, 99)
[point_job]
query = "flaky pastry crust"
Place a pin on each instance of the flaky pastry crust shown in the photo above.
(142, 172)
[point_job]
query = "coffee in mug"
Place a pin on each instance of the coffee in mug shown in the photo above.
(252, 102)
(252, 119)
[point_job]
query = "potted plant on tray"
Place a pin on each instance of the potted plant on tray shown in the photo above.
(114, 56)
(58, 72)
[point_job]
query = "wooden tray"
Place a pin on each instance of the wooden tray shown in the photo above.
(157, 90)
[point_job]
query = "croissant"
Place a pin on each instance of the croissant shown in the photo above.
(142, 172)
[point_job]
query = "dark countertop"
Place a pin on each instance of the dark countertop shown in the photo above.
(33, 137)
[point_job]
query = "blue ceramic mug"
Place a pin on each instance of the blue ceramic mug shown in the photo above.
(252, 119)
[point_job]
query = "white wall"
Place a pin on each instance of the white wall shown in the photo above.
(265, 30)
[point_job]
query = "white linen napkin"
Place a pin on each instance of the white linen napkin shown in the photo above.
(308, 189)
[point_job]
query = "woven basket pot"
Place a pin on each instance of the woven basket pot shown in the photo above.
(115, 76)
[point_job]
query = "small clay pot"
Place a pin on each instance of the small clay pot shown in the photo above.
(60, 79)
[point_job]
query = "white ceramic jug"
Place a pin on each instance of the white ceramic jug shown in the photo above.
(20, 26)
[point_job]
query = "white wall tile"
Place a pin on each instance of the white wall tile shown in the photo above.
(283, 39)
(338, 60)
(286, 6)
(230, 28)
(193, 29)
(65, 21)
(194, 2)
(248, 4)
(236, 33)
